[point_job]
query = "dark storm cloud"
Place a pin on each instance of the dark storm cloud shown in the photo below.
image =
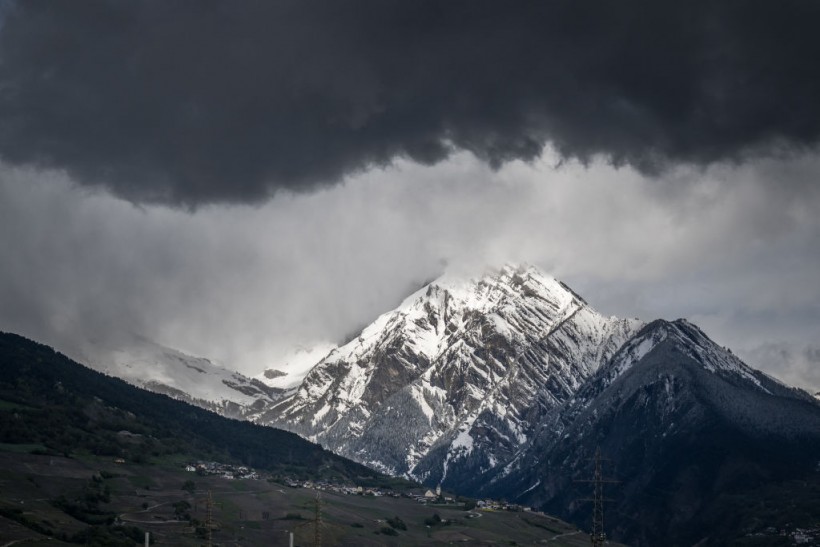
(201, 101)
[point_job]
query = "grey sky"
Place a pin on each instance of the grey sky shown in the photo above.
(234, 179)
(732, 248)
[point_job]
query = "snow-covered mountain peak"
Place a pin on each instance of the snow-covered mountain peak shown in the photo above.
(482, 293)
(429, 317)
(465, 357)
(500, 385)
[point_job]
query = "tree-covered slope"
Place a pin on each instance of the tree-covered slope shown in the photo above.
(706, 450)
(51, 401)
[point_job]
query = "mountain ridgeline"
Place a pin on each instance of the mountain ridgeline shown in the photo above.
(453, 382)
(704, 448)
(505, 387)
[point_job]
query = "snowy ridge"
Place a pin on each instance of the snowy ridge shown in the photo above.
(194, 379)
(689, 339)
(462, 370)
(713, 357)
(297, 364)
(504, 386)
(669, 403)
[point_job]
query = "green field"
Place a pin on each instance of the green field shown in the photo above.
(244, 512)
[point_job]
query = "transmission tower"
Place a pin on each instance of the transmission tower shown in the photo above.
(598, 536)
(209, 519)
(317, 521)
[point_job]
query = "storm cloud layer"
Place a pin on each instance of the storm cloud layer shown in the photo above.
(192, 102)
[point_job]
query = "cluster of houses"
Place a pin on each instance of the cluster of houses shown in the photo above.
(223, 470)
(228, 471)
(427, 497)
(806, 536)
(798, 536)
(432, 497)
(345, 489)
(494, 505)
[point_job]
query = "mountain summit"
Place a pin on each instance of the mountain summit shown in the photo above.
(506, 385)
(455, 380)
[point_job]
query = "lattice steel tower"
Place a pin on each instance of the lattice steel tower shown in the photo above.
(317, 521)
(598, 536)
(209, 520)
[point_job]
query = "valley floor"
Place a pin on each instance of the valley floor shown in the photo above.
(246, 512)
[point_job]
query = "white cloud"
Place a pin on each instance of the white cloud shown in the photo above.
(729, 247)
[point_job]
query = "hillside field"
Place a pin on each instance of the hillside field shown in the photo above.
(245, 512)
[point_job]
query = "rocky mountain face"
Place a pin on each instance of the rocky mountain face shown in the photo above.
(699, 442)
(457, 379)
(506, 386)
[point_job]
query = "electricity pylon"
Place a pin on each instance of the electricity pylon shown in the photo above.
(598, 536)
(209, 519)
(317, 521)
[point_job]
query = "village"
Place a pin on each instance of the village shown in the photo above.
(424, 496)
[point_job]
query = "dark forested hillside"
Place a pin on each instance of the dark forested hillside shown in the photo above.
(705, 450)
(50, 401)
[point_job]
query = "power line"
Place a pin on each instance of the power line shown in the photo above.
(598, 536)
(317, 521)
(209, 519)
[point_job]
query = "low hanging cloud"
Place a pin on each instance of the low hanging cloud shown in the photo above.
(189, 103)
(798, 366)
(246, 284)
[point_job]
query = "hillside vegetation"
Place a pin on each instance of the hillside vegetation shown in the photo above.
(49, 401)
(88, 459)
